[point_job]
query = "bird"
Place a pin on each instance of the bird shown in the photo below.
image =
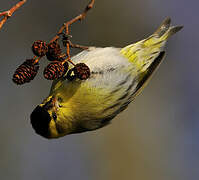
(117, 76)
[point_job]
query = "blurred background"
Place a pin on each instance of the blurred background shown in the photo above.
(156, 138)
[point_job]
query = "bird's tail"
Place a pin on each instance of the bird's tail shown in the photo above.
(146, 55)
(166, 30)
(143, 53)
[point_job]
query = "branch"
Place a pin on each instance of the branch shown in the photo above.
(79, 17)
(59, 65)
(8, 14)
(67, 24)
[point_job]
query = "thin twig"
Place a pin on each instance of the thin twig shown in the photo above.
(79, 17)
(36, 59)
(66, 28)
(77, 45)
(8, 14)
(67, 43)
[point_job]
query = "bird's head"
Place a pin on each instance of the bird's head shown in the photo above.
(47, 118)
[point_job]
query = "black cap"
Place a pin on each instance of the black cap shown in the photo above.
(40, 119)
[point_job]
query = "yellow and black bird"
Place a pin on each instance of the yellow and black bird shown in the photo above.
(117, 76)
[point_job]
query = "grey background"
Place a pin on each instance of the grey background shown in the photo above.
(157, 137)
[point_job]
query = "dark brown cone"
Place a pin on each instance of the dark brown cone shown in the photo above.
(54, 70)
(39, 48)
(54, 51)
(82, 71)
(71, 75)
(25, 72)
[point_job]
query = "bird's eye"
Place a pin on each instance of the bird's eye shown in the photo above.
(59, 99)
(54, 116)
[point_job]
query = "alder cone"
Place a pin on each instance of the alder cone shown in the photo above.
(54, 51)
(39, 48)
(82, 71)
(25, 72)
(54, 70)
